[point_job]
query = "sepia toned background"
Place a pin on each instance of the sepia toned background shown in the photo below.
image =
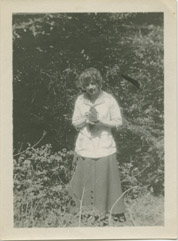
(49, 53)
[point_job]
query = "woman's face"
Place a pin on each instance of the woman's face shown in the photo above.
(92, 88)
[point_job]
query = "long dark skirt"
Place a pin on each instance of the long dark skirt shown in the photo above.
(96, 182)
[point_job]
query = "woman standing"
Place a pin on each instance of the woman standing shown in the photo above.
(96, 179)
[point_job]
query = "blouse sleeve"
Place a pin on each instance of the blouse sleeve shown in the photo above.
(115, 113)
(77, 118)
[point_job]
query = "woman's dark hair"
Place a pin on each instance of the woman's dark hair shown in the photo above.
(89, 75)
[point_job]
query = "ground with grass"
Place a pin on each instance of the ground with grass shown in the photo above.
(143, 211)
(41, 194)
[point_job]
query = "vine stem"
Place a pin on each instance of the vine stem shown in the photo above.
(81, 203)
(141, 171)
(110, 214)
(41, 138)
(131, 214)
(136, 175)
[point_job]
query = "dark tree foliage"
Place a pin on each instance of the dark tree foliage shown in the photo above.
(51, 50)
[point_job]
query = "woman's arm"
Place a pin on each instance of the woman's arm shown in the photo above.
(110, 123)
(115, 116)
(78, 120)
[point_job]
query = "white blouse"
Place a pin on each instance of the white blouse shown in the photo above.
(96, 141)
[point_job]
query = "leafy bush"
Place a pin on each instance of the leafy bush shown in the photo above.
(41, 183)
(51, 50)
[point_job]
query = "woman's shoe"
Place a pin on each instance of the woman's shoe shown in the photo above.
(120, 217)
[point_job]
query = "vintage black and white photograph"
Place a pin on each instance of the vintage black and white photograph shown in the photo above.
(88, 119)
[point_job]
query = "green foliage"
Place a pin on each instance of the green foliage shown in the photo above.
(39, 183)
(41, 192)
(49, 52)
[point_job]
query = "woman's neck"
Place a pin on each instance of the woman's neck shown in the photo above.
(93, 98)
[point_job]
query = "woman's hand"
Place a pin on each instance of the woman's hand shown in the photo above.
(82, 121)
(93, 115)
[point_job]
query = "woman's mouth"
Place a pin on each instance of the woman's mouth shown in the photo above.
(91, 91)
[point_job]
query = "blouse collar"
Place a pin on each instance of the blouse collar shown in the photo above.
(98, 101)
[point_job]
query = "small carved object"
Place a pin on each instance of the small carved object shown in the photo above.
(93, 115)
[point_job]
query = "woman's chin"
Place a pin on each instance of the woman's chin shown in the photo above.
(91, 92)
(94, 93)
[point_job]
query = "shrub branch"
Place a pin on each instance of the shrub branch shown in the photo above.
(110, 214)
(31, 147)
